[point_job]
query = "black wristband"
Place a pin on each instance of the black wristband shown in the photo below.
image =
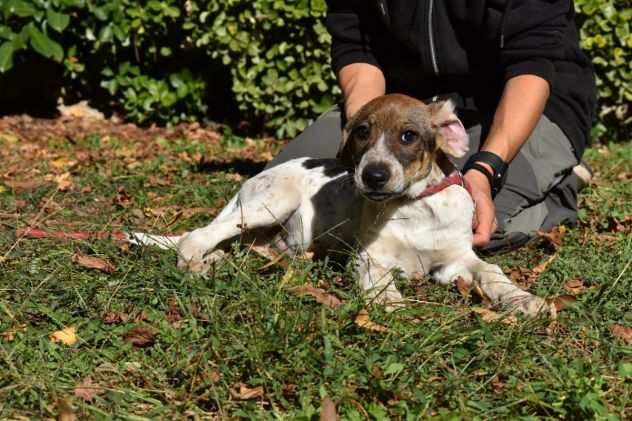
(499, 168)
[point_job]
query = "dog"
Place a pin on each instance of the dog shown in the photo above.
(392, 195)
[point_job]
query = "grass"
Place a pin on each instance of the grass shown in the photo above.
(157, 343)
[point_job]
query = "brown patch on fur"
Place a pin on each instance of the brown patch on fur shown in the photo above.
(392, 115)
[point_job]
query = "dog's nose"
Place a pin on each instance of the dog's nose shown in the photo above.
(375, 176)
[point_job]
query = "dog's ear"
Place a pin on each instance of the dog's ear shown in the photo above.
(451, 135)
(344, 151)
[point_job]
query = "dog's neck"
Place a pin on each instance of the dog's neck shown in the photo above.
(442, 174)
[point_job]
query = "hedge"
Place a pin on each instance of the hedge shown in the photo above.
(167, 61)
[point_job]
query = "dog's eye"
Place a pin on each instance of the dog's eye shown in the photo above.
(408, 137)
(361, 132)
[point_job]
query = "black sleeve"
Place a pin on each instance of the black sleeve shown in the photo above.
(350, 41)
(532, 36)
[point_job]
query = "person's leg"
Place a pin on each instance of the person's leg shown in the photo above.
(540, 190)
(320, 140)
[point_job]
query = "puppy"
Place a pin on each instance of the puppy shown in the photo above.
(393, 197)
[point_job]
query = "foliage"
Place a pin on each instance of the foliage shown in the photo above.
(276, 54)
(175, 99)
(606, 37)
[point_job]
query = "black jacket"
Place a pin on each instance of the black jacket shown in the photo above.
(467, 49)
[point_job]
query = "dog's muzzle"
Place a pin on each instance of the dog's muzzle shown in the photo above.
(375, 177)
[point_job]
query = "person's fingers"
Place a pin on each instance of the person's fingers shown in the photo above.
(486, 222)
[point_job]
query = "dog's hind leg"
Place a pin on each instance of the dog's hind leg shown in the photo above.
(196, 250)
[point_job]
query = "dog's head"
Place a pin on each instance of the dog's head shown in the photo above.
(395, 142)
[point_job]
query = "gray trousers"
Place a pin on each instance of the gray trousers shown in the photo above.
(540, 191)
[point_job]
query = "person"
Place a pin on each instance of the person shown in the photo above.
(521, 85)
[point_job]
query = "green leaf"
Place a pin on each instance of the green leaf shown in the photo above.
(57, 21)
(6, 33)
(20, 8)
(6, 56)
(44, 45)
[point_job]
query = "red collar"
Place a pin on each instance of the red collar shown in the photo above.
(455, 177)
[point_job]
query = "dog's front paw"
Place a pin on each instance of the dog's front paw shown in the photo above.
(193, 256)
(532, 306)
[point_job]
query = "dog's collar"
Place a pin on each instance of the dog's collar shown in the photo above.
(453, 177)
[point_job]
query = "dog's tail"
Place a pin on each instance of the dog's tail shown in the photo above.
(165, 242)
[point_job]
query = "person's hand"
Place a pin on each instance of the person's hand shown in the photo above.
(484, 223)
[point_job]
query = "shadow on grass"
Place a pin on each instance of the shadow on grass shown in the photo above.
(240, 166)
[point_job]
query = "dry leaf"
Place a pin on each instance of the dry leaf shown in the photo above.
(574, 286)
(622, 332)
(320, 295)
(66, 336)
(24, 185)
(463, 286)
(66, 412)
(561, 302)
(173, 314)
(362, 319)
(553, 237)
(91, 262)
(242, 392)
(328, 410)
(9, 335)
(87, 390)
(492, 316)
(141, 336)
(497, 385)
(542, 266)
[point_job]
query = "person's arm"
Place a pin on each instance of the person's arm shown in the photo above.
(360, 83)
(520, 107)
(352, 59)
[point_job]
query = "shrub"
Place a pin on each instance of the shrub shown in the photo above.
(606, 37)
(163, 61)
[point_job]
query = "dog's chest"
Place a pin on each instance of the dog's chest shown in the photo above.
(418, 235)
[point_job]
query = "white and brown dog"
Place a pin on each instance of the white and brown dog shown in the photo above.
(393, 197)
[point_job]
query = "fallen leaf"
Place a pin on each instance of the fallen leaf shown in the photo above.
(492, 316)
(497, 385)
(362, 319)
(141, 336)
(25, 184)
(63, 181)
(274, 257)
(173, 314)
(123, 199)
(92, 262)
(66, 413)
(328, 410)
(622, 332)
(87, 390)
(80, 110)
(574, 286)
(553, 237)
(542, 266)
(115, 317)
(463, 287)
(320, 295)
(561, 302)
(66, 336)
(9, 335)
(242, 392)
(289, 390)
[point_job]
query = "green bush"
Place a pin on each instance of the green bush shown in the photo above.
(158, 61)
(606, 37)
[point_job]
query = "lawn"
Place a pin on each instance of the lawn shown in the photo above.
(91, 328)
